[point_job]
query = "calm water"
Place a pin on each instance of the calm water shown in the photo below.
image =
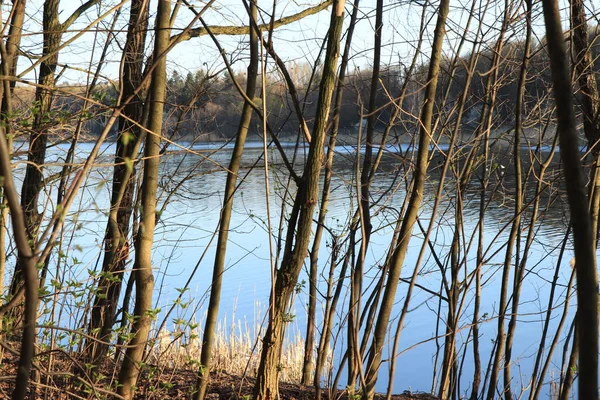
(191, 215)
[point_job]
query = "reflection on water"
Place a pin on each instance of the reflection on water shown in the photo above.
(193, 183)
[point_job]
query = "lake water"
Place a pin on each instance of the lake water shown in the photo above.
(191, 216)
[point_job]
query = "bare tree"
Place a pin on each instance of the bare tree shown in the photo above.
(225, 218)
(33, 182)
(116, 238)
(585, 264)
(410, 216)
(9, 53)
(142, 267)
(300, 226)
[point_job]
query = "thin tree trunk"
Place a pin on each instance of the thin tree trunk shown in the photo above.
(571, 371)
(30, 274)
(486, 126)
(116, 239)
(410, 216)
(439, 194)
(36, 155)
(585, 264)
(307, 367)
(143, 312)
(8, 53)
(354, 353)
(537, 386)
(590, 100)
(514, 235)
(225, 220)
(10, 201)
(33, 181)
(266, 386)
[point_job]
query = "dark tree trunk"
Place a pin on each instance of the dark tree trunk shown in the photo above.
(585, 264)
(116, 239)
(144, 277)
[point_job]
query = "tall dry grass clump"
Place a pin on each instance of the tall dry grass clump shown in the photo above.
(237, 349)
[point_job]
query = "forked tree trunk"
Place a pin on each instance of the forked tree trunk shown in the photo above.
(142, 267)
(225, 220)
(416, 196)
(308, 375)
(298, 236)
(116, 239)
(585, 264)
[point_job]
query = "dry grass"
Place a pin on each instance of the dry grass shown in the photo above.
(236, 350)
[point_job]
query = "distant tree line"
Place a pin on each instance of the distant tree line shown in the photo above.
(204, 106)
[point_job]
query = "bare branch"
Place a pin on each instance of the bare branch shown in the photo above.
(245, 29)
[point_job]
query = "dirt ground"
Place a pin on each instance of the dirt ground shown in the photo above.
(63, 383)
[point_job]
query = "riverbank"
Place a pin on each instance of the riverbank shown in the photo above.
(155, 383)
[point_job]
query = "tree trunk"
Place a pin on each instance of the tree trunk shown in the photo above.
(8, 52)
(354, 353)
(585, 264)
(36, 155)
(410, 216)
(307, 367)
(34, 179)
(116, 239)
(225, 220)
(484, 140)
(266, 386)
(514, 236)
(144, 277)
(30, 274)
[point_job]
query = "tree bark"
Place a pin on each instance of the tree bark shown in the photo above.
(585, 264)
(144, 277)
(308, 364)
(116, 239)
(410, 216)
(266, 386)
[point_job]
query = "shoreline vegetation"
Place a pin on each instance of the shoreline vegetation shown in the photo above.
(171, 369)
(429, 250)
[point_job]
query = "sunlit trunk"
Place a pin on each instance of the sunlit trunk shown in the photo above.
(143, 312)
(266, 386)
(9, 55)
(116, 240)
(416, 196)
